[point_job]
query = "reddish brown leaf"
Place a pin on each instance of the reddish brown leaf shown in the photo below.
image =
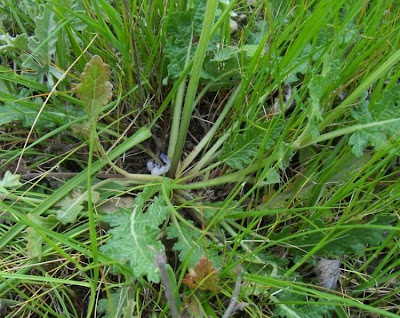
(203, 277)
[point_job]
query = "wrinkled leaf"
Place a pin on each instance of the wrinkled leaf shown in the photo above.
(8, 43)
(182, 30)
(70, 206)
(299, 311)
(25, 110)
(349, 242)
(135, 237)
(9, 181)
(241, 151)
(42, 46)
(387, 108)
(33, 238)
(190, 248)
(203, 276)
(95, 90)
(328, 271)
(187, 243)
(112, 205)
(121, 304)
(318, 87)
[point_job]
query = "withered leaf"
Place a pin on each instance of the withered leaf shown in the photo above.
(328, 271)
(203, 277)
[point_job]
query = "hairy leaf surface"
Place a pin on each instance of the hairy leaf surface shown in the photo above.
(182, 31)
(42, 47)
(387, 108)
(121, 304)
(291, 310)
(318, 87)
(349, 242)
(70, 206)
(9, 181)
(33, 238)
(240, 151)
(135, 237)
(191, 248)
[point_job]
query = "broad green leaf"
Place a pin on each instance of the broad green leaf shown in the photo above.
(387, 108)
(135, 237)
(226, 53)
(240, 152)
(121, 304)
(272, 178)
(70, 206)
(9, 181)
(29, 8)
(24, 109)
(8, 43)
(302, 63)
(299, 311)
(178, 27)
(42, 46)
(182, 29)
(187, 243)
(95, 90)
(33, 238)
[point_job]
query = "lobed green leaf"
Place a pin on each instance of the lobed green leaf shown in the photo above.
(135, 238)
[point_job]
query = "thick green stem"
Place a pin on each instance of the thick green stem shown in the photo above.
(176, 117)
(200, 54)
(141, 178)
(211, 152)
(92, 223)
(206, 139)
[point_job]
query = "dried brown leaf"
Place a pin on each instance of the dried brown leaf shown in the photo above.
(203, 277)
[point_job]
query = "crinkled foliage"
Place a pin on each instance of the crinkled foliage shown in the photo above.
(42, 47)
(24, 111)
(190, 246)
(318, 87)
(289, 310)
(135, 237)
(9, 181)
(35, 239)
(95, 89)
(348, 242)
(121, 304)
(70, 206)
(388, 107)
(182, 29)
(240, 152)
(204, 276)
